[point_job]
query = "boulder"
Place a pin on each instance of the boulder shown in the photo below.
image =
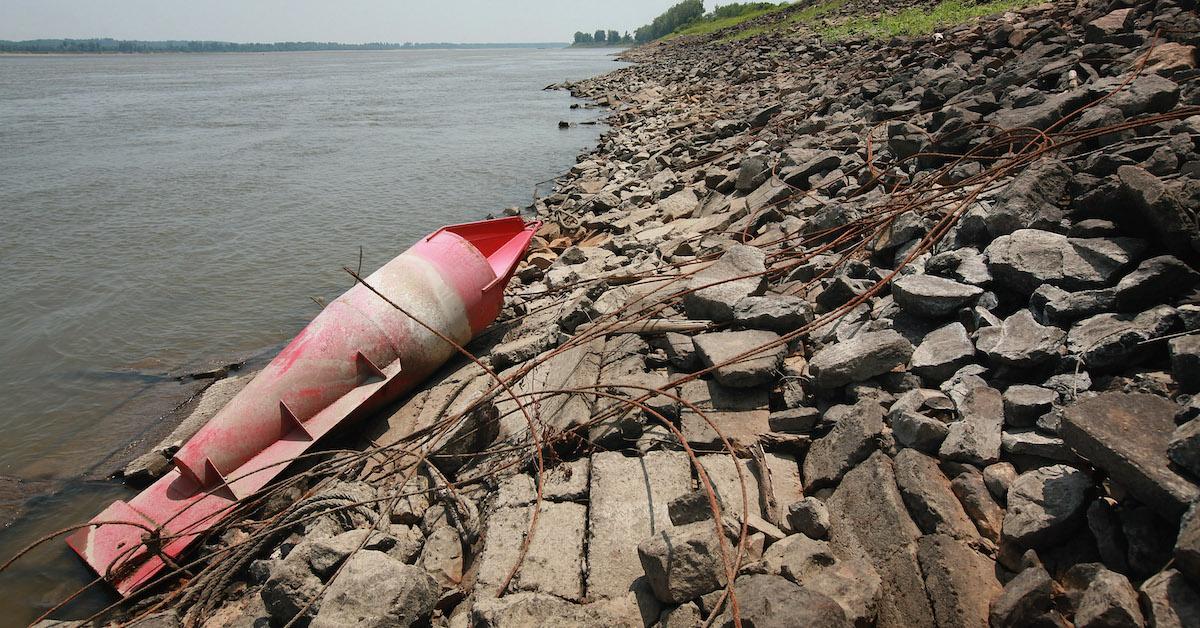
(1024, 404)
(976, 437)
(1046, 505)
(862, 357)
(374, 589)
(942, 352)
(1187, 543)
(1027, 600)
(928, 296)
(684, 562)
(1127, 435)
(717, 289)
(1185, 361)
(1184, 448)
(851, 440)
(809, 517)
(773, 312)
(1028, 258)
(851, 582)
(998, 478)
(961, 581)
(929, 498)
(979, 505)
(1115, 340)
(767, 601)
(1170, 600)
(721, 348)
(1154, 281)
(1160, 209)
(918, 431)
(1020, 342)
(1103, 598)
(1054, 306)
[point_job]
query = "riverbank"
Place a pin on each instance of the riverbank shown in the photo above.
(825, 331)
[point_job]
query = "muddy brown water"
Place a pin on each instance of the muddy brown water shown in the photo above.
(167, 213)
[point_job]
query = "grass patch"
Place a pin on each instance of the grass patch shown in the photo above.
(803, 16)
(705, 27)
(916, 21)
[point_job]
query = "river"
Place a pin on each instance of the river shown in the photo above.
(160, 213)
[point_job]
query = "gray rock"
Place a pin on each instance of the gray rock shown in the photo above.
(1030, 199)
(809, 517)
(1105, 526)
(1027, 600)
(684, 562)
(1020, 342)
(965, 265)
(868, 518)
(961, 582)
(1161, 209)
(976, 437)
(919, 431)
(1184, 448)
(442, 557)
(1026, 259)
(1149, 93)
(929, 498)
(851, 582)
(942, 352)
(290, 588)
(851, 440)
(767, 601)
(692, 507)
(720, 348)
(1055, 306)
(862, 357)
(1154, 281)
(682, 616)
(1024, 404)
(1185, 361)
(1187, 543)
(1030, 442)
(740, 414)
(374, 589)
(752, 173)
(1046, 505)
(800, 420)
(681, 352)
(928, 296)
(1126, 435)
(998, 478)
(717, 289)
(1114, 340)
(773, 312)
(1103, 598)
(1169, 600)
(841, 290)
(520, 610)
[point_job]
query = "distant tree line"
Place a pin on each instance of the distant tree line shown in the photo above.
(677, 18)
(603, 38)
(108, 45)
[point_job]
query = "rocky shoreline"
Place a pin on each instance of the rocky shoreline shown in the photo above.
(824, 332)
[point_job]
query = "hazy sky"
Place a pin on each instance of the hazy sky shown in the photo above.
(350, 21)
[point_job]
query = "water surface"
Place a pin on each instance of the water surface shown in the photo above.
(164, 211)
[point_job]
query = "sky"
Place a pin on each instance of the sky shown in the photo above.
(348, 21)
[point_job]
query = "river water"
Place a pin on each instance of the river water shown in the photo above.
(163, 212)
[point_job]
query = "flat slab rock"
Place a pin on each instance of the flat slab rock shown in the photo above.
(1126, 435)
(1028, 258)
(859, 358)
(723, 348)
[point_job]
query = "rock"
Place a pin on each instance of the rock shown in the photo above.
(1126, 435)
(965, 265)
(679, 205)
(684, 562)
(868, 518)
(742, 415)
(1027, 258)
(1027, 600)
(1114, 340)
(1024, 404)
(1148, 93)
(374, 589)
(929, 498)
(692, 507)
(809, 517)
(1187, 543)
(859, 358)
(961, 582)
(1153, 281)
(717, 289)
(290, 589)
(773, 312)
(1020, 342)
(767, 601)
(442, 557)
(928, 296)
(1054, 306)
(1046, 505)
(720, 348)
(851, 440)
(800, 420)
(1105, 598)
(1150, 539)
(1170, 600)
(145, 468)
(1184, 448)
(682, 616)
(850, 582)
(1112, 23)
(681, 352)
(976, 437)
(1163, 212)
(979, 505)
(1030, 442)
(520, 610)
(1169, 57)
(919, 431)
(1185, 361)
(1031, 199)
(752, 173)
(998, 478)
(629, 498)
(942, 352)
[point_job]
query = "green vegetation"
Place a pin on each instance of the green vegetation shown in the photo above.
(602, 38)
(729, 15)
(676, 17)
(917, 21)
(802, 16)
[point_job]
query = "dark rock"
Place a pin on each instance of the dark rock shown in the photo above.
(1105, 525)
(753, 172)
(1029, 442)
(1126, 435)
(965, 265)
(720, 348)
(859, 358)
(1027, 600)
(961, 582)
(800, 420)
(718, 288)
(930, 500)
(851, 582)
(1184, 448)
(979, 505)
(1028, 258)
(944, 351)
(773, 312)
(683, 562)
(374, 589)
(851, 440)
(1055, 306)
(1046, 505)
(1115, 340)
(809, 517)
(1024, 404)
(289, 590)
(1187, 543)
(1185, 361)
(1168, 599)
(929, 296)
(681, 351)
(975, 437)
(767, 601)
(1149, 539)
(1030, 200)
(1103, 598)
(1020, 341)
(1164, 213)
(841, 290)
(1154, 281)
(1148, 93)
(918, 431)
